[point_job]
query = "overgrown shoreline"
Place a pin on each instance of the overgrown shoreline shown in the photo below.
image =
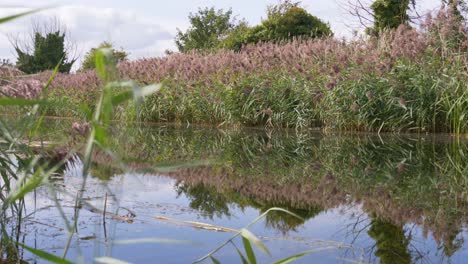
(406, 80)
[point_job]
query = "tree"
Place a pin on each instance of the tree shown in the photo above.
(207, 28)
(90, 57)
(382, 14)
(236, 38)
(458, 7)
(287, 21)
(390, 13)
(391, 242)
(45, 49)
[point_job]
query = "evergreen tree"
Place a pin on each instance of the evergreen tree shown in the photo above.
(48, 49)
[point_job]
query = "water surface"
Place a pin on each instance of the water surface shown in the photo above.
(368, 198)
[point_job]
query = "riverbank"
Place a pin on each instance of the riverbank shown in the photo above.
(406, 80)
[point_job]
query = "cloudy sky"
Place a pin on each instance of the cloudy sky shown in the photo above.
(147, 28)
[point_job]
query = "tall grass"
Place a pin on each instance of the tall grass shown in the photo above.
(23, 168)
(405, 80)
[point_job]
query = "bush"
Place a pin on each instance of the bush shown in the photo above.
(89, 60)
(294, 22)
(47, 50)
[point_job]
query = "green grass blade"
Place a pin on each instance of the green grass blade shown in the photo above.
(249, 251)
(253, 239)
(9, 18)
(46, 256)
(300, 255)
(101, 63)
(52, 76)
(34, 131)
(32, 183)
(122, 97)
(239, 233)
(244, 260)
(214, 260)
(260, 217)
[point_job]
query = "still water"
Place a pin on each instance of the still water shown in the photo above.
(362, 198)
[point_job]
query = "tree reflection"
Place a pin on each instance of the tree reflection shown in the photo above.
(391, 242)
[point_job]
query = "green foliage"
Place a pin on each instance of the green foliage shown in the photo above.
(90, 57)
(236, 38)
(389, 14)
(458, 7)
(48, 49)
(287, 24)
(212, 30)
(391, 242)
(411, 97)
(207, 27)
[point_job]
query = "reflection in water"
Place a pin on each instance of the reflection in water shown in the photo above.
(210, 202)
(396, 181)
(205, 199)
(390, 241)
(399, 180)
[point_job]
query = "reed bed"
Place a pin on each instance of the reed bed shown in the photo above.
(405, 80)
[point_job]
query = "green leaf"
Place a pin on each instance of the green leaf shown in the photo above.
(253, 239)
(215, 261)
(52, 76)
(46, 256)
(249, 251)
(102, 134)
(102, 61)
(85, 110)
(244, 261)
(121, 97)
(9, 18)
(300, 255)
(260, 217)
(19, 101)
(33, 132)
(31, 184)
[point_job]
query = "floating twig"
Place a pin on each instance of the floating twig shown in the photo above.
(198, 225)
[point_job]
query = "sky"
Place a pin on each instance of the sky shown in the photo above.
(147, 28)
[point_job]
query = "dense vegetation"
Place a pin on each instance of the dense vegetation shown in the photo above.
(404, 80)
(89, 60)
(399, 79)
(212, 29)
(46, 49)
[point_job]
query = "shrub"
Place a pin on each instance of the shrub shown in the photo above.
(89, 60)
(47, 50)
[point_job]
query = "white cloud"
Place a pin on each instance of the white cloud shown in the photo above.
(88, 26)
